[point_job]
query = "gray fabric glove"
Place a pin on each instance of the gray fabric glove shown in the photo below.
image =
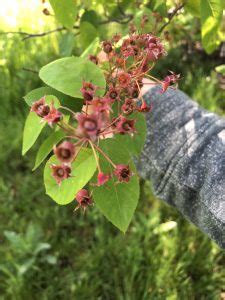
(184, 157)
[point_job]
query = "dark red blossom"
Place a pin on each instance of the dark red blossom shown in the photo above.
(128, 107)
(65, 152)
(123, 173)
(40, 107)
(60, 172)
(125, 125)
(54, 116)
(102, 178)
(88, 90)
(107, 47)
(84, 199)
(89, 125)
(113, 93)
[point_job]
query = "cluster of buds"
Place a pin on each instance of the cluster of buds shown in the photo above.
(126, 63)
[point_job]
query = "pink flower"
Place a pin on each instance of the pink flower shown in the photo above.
(65, 152)
(54, 116)
(84, 199)
(102, 178)
(123, 173)
(60, 172)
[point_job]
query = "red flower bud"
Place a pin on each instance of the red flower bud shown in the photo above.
(60, 172)
(123, 173)
(144, 107)
(102, 178)
(40, 107)
(65, 152)
(84, 199)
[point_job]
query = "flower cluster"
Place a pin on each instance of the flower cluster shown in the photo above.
(126, 63)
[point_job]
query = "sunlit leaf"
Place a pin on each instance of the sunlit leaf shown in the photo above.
(83, 169)
(67, 74)
(117, 201)
(47, 146)
(211, 16)
(65, 11)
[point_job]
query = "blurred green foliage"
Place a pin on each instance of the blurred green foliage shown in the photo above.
(47, 251)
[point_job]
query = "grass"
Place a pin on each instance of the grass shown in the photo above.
(48, 252)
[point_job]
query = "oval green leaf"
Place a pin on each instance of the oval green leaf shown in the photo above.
(117, 201)
(67, 74)
(83, 169)
(47, 147)
(65, 11)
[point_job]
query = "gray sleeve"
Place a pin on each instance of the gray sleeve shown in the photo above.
(184, 157)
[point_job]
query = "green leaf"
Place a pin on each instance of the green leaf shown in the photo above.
(65, 100)
(135, 144)
(90, 16)
(47, 146)
(67, 74)
(87, 34)
(65, 12)
(93, 48)
(211, 16)
(66, 44)
(33, 126)
(117, 201)
(83, 169)
(193, 6)
(159, 6)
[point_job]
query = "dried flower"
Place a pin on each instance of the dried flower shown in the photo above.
(84, 199)
(125, 125)
(123, 173)
(60, 172)
(40, 107)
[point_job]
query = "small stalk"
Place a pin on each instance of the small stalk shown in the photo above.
(106, 156)
(95, 155)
